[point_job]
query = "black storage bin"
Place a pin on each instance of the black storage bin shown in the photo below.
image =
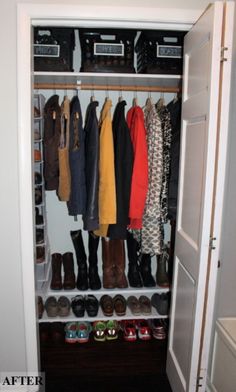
(107, 50)
(53, 49)
(160, 52)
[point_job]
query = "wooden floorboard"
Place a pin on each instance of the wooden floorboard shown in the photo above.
(105, 366)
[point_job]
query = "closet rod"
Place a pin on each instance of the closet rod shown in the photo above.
(68, 86)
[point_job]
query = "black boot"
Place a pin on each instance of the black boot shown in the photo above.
(94, 280)
(146, 272)
(133, 268)
(82, 278)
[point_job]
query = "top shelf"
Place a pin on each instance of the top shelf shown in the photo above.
(107, 81)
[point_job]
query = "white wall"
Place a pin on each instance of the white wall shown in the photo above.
(12, 339)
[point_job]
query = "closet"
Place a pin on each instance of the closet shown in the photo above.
(197, 223)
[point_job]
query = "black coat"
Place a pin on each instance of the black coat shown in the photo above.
(52, 132)
(90, 216)
(124, 156)
(76, 204)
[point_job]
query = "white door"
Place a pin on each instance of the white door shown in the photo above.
(202, 52)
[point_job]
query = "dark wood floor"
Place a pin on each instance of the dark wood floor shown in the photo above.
(109, 366)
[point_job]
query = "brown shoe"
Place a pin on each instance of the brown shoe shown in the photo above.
(56, 282)
(118, 256)
(40, 307)
(119, 305)
(109, 279)
(69, 275)
(145, 305)
(107, 306)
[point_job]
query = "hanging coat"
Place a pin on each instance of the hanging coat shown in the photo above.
(107, 187)
(91, 131)
(139, 182)
(174, 108)
(64, 186)
(52, 128)
(76, 204)
(166, 130)
(152, 230)
(123, 150)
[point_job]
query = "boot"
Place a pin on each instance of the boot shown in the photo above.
(69, 275)
(118, 255)
(109, 279)
(146, 272)
(133, 268)
(161, 274)
(82, 278)
(56, 282)
(94, 279)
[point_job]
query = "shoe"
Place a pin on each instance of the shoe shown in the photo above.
(161, 303)
(37, 135)
(146, 272)
(159, 328)
(38, 217)
(40, 307)
(57, 333)
(118, 257)
(94, 279)
(39, 236)
(63, 306)
(56, 281)
(37, 156)
(37, 178)
(134, 276)
(38, 196)
(112, 329)
(162, 278)
(91, 305)
(82, 278)
(51, 307)
(40, 254)
(107, 305)
(134, 305)
(129, 330)
(99, 331)
(78, 306)
(145, 305)
(108, 267)
(119, 303)
(83, 331)
(71, 332)
(144, 331)
(69, 275)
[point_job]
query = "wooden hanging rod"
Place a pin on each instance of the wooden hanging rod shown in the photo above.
(68, 86)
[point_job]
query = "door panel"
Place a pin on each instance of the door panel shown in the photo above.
(197, 165)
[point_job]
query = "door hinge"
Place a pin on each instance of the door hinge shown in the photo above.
(211, 243)
(222, 54)
(199, 381)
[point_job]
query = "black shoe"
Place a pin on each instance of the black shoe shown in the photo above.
(78, 306)
(94, 279)
(91, 305)
(134, 276)
(82, 279)
(161, 303)
(145, 270)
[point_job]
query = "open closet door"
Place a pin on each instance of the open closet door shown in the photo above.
(202, 56)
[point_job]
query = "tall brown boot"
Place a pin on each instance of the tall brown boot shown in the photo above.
(109, 279)
(118, 255)
(69, 275)
(56, 282)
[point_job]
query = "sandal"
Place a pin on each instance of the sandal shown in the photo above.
(107, 305)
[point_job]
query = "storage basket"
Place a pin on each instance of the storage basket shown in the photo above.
(53, 49)
(107, 50)
(160, 52)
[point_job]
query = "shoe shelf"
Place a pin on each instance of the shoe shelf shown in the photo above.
(100, 316)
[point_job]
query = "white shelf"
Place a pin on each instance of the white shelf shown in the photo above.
(100, 316)
(102, 79)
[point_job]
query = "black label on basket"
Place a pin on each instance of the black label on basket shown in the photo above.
(169, 51)
(107, 49)
(41, 50)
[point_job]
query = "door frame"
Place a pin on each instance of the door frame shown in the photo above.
(63, 15)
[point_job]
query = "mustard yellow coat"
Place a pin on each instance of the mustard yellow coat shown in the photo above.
(107, 187)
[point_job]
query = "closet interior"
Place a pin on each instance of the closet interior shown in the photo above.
(107, 67)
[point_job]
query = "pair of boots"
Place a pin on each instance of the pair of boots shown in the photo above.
(69, 276)
(113, 264)
(139, 270)
(87, 275)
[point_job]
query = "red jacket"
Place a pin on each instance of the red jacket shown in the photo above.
(139, 184)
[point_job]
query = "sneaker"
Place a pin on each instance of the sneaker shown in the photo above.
(71, 332)
(129, 330)
(144, 331)
(112, 328)
(83, 331)
(99, 331)
(159, 328)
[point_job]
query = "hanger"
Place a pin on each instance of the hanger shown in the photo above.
(135, 99)
(120, 99)
(161, 102)
(107, 94)
(149, 100)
